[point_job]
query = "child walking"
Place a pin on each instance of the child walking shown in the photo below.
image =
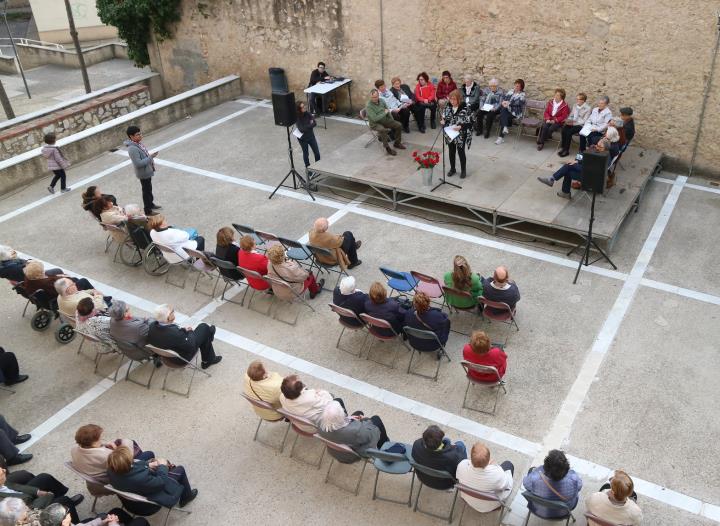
(56, 163)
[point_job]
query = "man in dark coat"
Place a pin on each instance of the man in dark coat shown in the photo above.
(434, 450)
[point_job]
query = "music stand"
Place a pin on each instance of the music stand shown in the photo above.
(442, 180)
(295, 175)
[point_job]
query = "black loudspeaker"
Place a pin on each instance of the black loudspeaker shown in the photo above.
(284, 109)
(594, 169)
(278, 80)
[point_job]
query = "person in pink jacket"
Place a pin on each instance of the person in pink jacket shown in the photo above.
(56, 163)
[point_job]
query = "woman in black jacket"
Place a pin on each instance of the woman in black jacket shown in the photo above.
(457, 115)
(305, 124)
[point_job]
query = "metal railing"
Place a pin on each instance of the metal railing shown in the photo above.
(29, 42)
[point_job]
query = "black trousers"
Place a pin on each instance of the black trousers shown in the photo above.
(43, 481)
(9, 368)
(58, 175)
(349, 247)
(508, 466)
(590, 140)
(383, 433)
(420, 108)
(506, 119)
(200, 243)
(7, 435)
(485, 120)
(546, 131)
(566, 136)
(178, 473)
(147, 194)
(403, 117)
(306, 144)
(452, 148)
(125, 518)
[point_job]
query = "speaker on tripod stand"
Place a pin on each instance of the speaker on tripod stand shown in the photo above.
(594, 170)
(285, 115)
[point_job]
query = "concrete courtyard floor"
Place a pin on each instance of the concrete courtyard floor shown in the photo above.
(617, 370)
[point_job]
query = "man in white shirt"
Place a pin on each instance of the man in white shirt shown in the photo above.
(596, 125)
(479, 473)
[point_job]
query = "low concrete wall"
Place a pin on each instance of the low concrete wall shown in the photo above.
(34, 56)
(7, 66)
(29, 135)
(27, 167)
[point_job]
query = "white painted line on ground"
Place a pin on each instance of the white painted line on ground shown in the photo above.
(688, 185)
(681, 291)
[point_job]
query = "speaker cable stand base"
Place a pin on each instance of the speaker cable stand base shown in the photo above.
(589, 244)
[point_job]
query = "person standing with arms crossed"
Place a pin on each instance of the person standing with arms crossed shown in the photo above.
(144, 164)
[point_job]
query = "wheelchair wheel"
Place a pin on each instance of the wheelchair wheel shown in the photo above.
(154, 262)
(130, 255)
(41, 320)
(65, 333)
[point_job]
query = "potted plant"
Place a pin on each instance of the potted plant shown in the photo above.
(426, 161)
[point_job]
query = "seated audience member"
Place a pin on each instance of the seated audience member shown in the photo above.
(378, 305)
(512, 107)
(301, 401)
(135, 214)
(175, 238)
(347, 296)
(11, 266)
(556, 112)
(124, 328)
(227, 250)
(462, 278)
(37, 279)
(89, 321)
(380, 119)
(426, 318)
(444, 88)
(425, 100)
(627, 131)
(9, 438)
(264, 386)
(615, 502)
(478, 351)
(471, 93)
(248, 258)
(400, 111)
(109, 213)
(90, 453)
(292, 273)
(156, 480)
(69, 296)
(435, 450)
(554, 480)
(13, 512)
(501, 288)
(572, 171)
(90, 195)
(480, 474)
(600, 117)
(574, 123)
(42, 481)
(357, 432)
(343, 247)
(58, 515)
(319, 74)
(490, 101)
(9, 369)
(185, 341)
(612, 135)
(35, 497)
(405, 95)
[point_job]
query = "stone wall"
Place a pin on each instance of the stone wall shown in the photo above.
(653, 55)
(29, 135)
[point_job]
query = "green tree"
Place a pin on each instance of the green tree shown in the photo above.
(135, 19)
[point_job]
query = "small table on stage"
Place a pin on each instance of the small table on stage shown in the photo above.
(325, 88)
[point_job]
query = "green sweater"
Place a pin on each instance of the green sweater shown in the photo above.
(476, 290)
(376, 112)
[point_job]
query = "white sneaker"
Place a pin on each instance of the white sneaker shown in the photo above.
(505, 130)
(65, 190)
(500, 140)
(51, 189)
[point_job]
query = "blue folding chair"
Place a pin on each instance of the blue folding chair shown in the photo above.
(392, 464)
(547, 503)
(245, 230)
(399, 281)
(296, 251)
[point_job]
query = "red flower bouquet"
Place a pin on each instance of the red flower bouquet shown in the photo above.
(426, 159)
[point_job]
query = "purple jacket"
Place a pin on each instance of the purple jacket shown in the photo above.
(55, 159)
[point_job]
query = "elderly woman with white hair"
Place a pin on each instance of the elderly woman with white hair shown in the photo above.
(347, 296)
(11, 266)
(471, 93)
(343, 247)
(13, 511)
(70, 294)
(185, 341)
(176, 238)
(490, 100)
(356, 431)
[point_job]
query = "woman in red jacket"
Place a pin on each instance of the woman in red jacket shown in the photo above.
(425, 99)
(251, 260)
(445, 87)
(556, 111)
(478, 351)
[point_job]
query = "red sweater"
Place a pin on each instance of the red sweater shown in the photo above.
(256, 262)
(562, 112)
(443, 90)
(495, 357)
(425, 93)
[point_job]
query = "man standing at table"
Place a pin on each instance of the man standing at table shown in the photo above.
(144, 164)
(318, 75)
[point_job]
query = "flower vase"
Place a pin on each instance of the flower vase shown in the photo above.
(426, 174)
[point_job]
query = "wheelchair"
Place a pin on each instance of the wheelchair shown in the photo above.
(46, 311)
(139, 249)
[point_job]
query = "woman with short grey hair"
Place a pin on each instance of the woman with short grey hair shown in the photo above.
(12, 511)
(356, 431)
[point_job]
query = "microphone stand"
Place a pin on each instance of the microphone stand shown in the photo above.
(442, 180)
(305, 184)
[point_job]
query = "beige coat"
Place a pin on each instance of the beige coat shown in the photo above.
(290, 272)
(332, 242)
(114, 216)
(92, 461)
(68, 304)
(267, 390)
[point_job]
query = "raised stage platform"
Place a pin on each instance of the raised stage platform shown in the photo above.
(501, 191)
